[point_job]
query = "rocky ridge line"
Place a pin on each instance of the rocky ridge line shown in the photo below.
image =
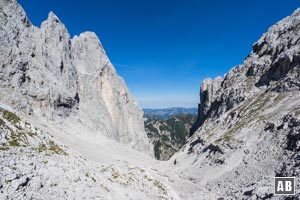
(247, 127)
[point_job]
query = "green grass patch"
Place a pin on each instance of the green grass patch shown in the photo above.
(51, 147)
(156, 184)
(16, 139)
(159, 186)
(42, 148)
(227, 137)
(3, 148)
(56, 149)
(13, 118)
(14, 143)
(251, 112)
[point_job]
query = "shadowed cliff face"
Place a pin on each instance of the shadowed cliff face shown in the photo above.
(208, 91)
(46, 74)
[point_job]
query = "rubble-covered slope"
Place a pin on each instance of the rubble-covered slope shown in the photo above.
(34, 165)
(247, 131)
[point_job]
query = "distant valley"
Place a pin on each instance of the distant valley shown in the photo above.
(168, 129)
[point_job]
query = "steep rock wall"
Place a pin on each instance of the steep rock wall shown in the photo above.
(47, 75)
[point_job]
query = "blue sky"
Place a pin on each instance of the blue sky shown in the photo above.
(164, 48)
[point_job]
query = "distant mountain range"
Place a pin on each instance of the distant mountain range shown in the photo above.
(168, 112)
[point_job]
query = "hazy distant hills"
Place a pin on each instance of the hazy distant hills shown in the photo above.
(168, 112)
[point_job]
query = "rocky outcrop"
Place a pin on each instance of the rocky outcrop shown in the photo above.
(46, 74)
(247, 127)
(273, 65)
(208, 91)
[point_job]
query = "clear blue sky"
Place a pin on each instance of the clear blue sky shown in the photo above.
(165, 48)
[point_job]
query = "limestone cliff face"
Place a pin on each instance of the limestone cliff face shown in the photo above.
(46, 74)
(208, 91)
(248, 123)
(271, 66)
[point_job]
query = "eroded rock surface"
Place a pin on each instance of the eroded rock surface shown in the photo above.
(46, 74)
(248, 121)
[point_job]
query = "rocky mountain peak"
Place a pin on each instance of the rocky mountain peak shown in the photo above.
(91, 37)
(208, 90)
(49, 76)
(53, 18)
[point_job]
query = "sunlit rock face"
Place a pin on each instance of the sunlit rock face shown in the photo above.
(48, 75)
(248, 123)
